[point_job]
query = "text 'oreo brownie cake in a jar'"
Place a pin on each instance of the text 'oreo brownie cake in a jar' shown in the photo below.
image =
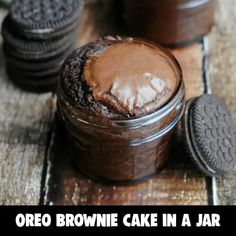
(169, 22)
(120, 100)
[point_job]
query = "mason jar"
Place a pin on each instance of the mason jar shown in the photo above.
(169, 22)
(124, 150)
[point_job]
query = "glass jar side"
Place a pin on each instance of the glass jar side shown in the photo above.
(169, 22)
(120, 151)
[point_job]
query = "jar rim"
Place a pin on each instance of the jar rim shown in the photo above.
(186, 4)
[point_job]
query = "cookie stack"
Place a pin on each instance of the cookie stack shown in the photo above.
(37, 36)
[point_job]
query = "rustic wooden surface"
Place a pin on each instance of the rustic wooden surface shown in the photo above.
(191, 61)
(222, 72)
(25, 121)
(34, 170)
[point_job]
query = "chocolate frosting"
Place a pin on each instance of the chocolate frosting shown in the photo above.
(132, 77)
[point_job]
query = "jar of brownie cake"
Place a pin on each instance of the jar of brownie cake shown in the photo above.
(169, 22)
(120, 100)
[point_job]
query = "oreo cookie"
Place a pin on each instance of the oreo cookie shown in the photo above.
(37, 37)
(35, 65)
(44, 19)
(23, 48)
(210, 135)
(33, 84)
(33, 73)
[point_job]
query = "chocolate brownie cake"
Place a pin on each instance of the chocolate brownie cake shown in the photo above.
(119, 77)
(120, 100)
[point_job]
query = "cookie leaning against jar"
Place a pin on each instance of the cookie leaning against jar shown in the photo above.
(120, 100)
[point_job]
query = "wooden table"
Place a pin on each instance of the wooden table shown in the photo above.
(35, 169)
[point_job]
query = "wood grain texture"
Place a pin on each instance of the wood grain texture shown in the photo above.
(25, 120)
(180, 183)
(190, 59)
(98, 19)
(222, 72)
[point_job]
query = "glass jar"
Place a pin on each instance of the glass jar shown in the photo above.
(169, 22)
(121, 151)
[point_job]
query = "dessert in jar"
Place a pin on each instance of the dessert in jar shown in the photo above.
(169, 22)
(120, 100)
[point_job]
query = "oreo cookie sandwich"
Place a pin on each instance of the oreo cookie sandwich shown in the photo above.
(37, 36)
(44, 18)
(34, 65)
(33, 84)
(210, 135)
(23, 48)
